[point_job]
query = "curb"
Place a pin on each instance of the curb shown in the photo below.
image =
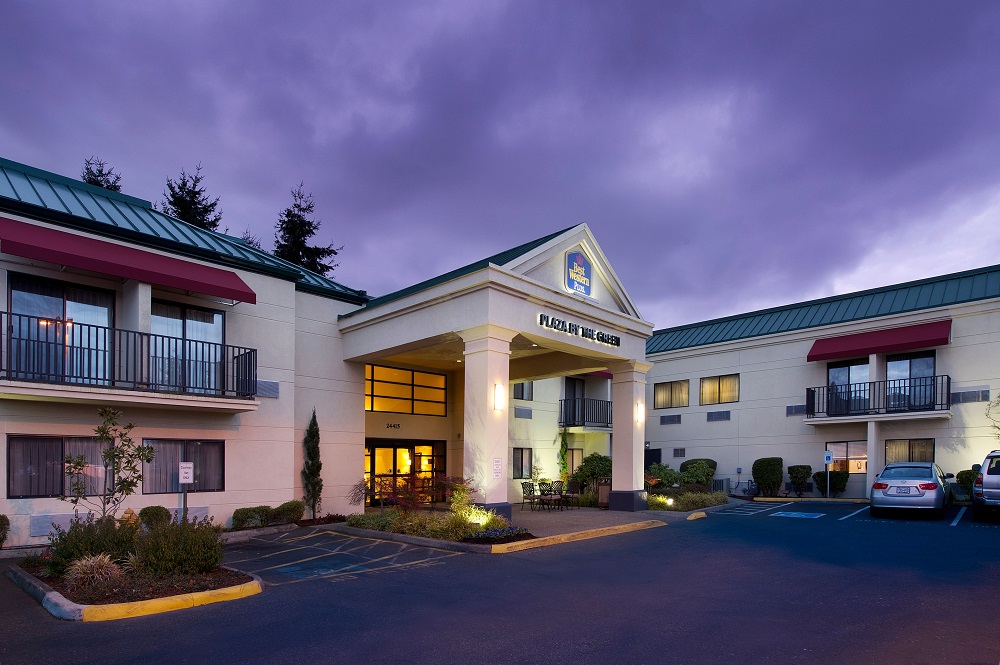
(805, 499)
(505, 548)
(244, 535)
(62, 608)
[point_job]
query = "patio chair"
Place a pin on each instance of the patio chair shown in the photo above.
(528, 495)
(572, 493)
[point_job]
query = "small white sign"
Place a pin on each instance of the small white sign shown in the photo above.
(497, 468)
(185, 474)
(828, 457)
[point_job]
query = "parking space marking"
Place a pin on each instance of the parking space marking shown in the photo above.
(859, 510)
(806, 516)
(958, 517)
(751, 509)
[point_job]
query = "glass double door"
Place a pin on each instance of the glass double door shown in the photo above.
(393, 467)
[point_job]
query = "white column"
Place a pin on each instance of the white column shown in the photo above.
(628, 413)
(876, 450)
(136, 306)
(487, 373)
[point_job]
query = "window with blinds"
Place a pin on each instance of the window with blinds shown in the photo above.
(720, 389)
(670, 394)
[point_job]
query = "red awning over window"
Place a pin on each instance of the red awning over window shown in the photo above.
(66, 249)
(892, 340)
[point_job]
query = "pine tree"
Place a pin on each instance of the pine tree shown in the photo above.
(312, 481)
(251, 239)
(293, 231)
(186, 200)
(97, 172)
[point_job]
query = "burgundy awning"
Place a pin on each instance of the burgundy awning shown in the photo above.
(66, 249)
(891, 340)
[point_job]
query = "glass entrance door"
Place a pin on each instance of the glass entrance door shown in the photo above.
(410, 466)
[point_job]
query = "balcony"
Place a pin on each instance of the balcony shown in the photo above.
(585, 412)
(896, 396)
(71, 354)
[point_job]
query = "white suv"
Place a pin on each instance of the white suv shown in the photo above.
(986, 488)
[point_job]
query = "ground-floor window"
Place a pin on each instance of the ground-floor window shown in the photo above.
(521, 463)
(850, 456)
(909, 450)
(161, 475)
(36, 465)
(574, 458)
(413, 466)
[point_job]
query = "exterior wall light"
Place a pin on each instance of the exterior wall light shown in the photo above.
(640, 413)
(499, 397)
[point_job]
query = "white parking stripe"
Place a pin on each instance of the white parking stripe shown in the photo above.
(780, 505)
(859, 510)
(960, 513)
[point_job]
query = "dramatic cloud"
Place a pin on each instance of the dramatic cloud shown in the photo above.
(727, 155)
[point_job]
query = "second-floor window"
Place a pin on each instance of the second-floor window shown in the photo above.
(720, 389)
(670, 394)
(524, 390)
(186, 347)
(394, 390)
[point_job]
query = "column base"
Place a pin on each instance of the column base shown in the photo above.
(504, 509)
(628, 501)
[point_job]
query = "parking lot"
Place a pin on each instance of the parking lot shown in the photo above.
(955, 516)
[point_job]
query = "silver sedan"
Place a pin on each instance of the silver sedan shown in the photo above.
(911, 485)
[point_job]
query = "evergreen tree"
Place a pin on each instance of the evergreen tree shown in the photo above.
(312, 481)
(250, 239)
(186, 200)
(97, 172)
(292, 233)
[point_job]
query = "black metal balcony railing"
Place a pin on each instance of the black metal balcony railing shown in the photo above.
(584, 412)
(66, 352)
(928, 393)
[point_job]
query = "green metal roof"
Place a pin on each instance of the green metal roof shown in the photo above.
(499, 259)
(967, 286)
(53, 198)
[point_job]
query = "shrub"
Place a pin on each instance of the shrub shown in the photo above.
(593, 466)
(711, 462)
(964, 478)
(588, 499)
(181, 547)
(251, 518)
(91, 571)
(288, 512)
(667, 476)
(687, 501)
(4, 528)
(697, 472)
(838, 482)
(501, 533)
(767, 473)
(89, 537)
(153, 517)
(442, 526)
(799, 474)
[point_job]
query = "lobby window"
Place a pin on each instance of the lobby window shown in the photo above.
(161, 475)
(392, 390)
(720, 389)
(670, 395)
(522, 463)
(850, 456)
(574, 458)
(35, 466)
(909, 450)
(524, 390)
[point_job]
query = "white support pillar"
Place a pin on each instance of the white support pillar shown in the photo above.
(628, 413)
(876, 450)
(137, 306)
(487, 388)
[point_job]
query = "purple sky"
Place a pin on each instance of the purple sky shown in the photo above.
(727, 155)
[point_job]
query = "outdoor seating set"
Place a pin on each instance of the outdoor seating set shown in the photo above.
(550, 495)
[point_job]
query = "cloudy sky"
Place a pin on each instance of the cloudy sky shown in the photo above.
(728, 156)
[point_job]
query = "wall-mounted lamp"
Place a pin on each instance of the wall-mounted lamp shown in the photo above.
(499, 397)
(640, 413)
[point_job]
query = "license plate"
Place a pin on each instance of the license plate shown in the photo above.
(902, 490)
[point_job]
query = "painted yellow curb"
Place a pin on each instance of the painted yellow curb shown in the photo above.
(157, 605)
(570, 537)
(697, 516)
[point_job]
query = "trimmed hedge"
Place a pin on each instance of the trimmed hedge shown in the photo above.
(767, 473)
(838, 482)
(711, 462)
(966, 478)
(4, 528)
(251, 518)
(184, 547)
(799, 474)
(153, 517)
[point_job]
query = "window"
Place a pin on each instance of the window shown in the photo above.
(680, 452)
(909, 450)
(850, 456)
(35, 466)
(909, 381)
(59, 332)
(670, 395)
(186, 348)
(574, 458)
(720, 389)
(522, 463)
(524, 390)
(393, 390)
(209, 457)
(849, 387)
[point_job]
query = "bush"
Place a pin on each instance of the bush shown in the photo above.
(89, 537)
(697, 472)
(153, 517)
(288, 512)
(181, 547)
(964, 478)
(4, 528)
(838, 482)
(687, 501)
(441, 526)
(91, 571)
(799, 474)
(711, 462)
(251, 518)
(767, 473)
(593, 466)
(667, 476)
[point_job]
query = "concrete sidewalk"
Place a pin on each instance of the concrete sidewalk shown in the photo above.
(543, 523)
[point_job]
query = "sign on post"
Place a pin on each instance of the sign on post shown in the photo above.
(185, 474)
(828, 457)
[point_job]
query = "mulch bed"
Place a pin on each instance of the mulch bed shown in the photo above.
(328, 519)
(131, 588)
(498, 541)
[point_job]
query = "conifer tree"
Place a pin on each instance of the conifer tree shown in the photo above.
(186, 200)
(292, 233)
(97, 172)
(312, 481)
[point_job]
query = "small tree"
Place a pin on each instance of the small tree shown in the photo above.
(767, 473)
(123, 459)
(97, 172)
(186, 200)
(292, 233)
(563, 454)
(312, 481)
